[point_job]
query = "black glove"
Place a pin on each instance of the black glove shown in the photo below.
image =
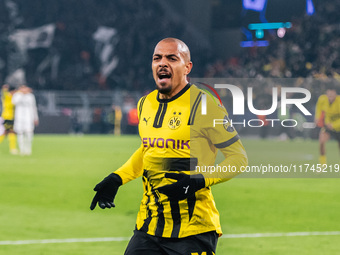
(106, 191)
(185, 186)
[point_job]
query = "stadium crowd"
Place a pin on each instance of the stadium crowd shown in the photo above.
(72, 61)
(309, 51)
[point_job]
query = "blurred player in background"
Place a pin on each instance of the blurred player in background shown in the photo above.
(8, 117)
(327, 117)
(177, 213)
(2, 128)
(26, 118)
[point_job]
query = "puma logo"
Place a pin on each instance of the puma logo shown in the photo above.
(186, 189)
(146, 120)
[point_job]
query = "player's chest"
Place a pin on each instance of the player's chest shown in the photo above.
(25, 102)
(165, 120)
(333, 109)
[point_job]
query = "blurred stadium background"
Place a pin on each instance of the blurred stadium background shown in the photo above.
(83, 57)
(88, 63)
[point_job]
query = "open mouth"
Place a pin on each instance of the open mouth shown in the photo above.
(164, 76)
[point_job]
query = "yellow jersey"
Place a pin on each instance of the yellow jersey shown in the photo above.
(331, 111)
(177, 137)
(7, 106)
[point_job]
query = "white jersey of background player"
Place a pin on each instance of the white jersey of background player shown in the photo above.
(25, 118)
(2, 128)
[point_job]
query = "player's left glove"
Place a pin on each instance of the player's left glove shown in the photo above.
(106, 191)
(185, 186)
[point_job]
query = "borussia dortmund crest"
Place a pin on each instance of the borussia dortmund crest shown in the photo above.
(174, 122)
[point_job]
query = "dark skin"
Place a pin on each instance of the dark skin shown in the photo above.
(170, 67)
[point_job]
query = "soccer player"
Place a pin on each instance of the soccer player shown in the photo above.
(177, 213)
(8, 117)
(26, 118)
(327, 116)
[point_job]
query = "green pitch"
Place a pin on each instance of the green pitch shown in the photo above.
(47, 196)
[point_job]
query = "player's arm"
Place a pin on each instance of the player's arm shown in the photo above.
(332, 120)
(17, 97)
(186, 185)
(133, 168)
(319, 111)
(333, 125)
(318, 107)
(107, 189)
(35, 111)
(226, 139)
(235, 160)
(4, 90)
(4, 87)
(336, 125)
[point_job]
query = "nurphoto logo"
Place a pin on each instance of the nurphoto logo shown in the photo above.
(239, 105)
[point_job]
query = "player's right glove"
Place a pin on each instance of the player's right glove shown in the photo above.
(106, 191)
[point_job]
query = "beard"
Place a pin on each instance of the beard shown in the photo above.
(164, 90)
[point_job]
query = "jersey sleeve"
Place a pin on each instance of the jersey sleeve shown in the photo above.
(336, 125)
(140, 106)
(319, 107)
(133, 168)
(34, 108)
(3, 93)
(17, 97)
(235, 156)
(217, 127)
(335, 121)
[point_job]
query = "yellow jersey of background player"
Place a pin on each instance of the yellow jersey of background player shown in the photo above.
(327, 116)
(330, 111)
(7, 105)
(8, 117)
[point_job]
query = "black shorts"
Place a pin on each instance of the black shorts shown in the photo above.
(335, 135)
(144, 244)
(8, 124)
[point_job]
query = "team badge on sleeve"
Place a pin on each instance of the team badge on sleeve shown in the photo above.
(227, 125)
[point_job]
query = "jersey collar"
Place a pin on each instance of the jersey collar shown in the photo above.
(174, 97)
